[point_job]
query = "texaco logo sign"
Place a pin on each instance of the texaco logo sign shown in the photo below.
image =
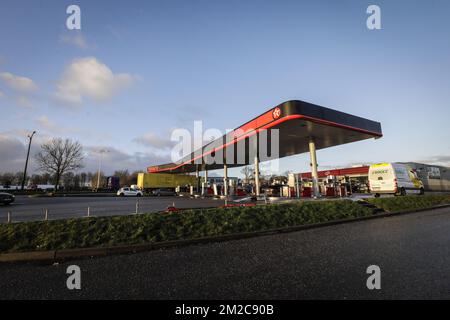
(276, 113)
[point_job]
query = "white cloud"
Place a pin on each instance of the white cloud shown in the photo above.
(2, 94)
(116, 159)
(88, 78)
(155, 141)
(12, 153)
(53, 128)
(439, 160)
(77, 40)
(18, 83)
(13, 149)
(46, 123)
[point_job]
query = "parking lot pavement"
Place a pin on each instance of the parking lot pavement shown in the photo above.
(412, 252)
(28, 209)
(33, 208)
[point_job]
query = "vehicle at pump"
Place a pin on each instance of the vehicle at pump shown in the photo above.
(150, 182)
(129, 192)
(163, 192)
(393, 178)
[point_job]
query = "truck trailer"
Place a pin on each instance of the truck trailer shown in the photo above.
(152, 181)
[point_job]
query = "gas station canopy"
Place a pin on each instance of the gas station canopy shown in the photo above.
(298, 123)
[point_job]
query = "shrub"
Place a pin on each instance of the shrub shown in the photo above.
(156, 227)
(413, 202)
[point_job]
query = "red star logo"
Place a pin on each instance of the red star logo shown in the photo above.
(276, 113)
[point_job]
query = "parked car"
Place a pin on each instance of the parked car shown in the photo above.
(6, 198)
(164, 192)
(130, 192)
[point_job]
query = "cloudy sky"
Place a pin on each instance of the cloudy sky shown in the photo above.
(138, 69)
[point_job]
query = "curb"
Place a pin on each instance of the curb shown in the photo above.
(75, 195)
(36, 256)
(70, 254)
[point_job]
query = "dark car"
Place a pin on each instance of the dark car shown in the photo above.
(164, 192)
(6, 198)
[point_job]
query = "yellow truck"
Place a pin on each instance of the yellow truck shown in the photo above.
(152, 181)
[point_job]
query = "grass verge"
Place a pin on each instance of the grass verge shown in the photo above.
(157, 227)
(407, 203)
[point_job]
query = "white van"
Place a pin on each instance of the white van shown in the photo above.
(393, 178)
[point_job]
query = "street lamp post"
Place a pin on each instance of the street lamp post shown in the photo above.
(30, 137)
(102, 151)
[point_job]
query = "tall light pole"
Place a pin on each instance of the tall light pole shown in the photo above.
(30, 137)
(102, 151)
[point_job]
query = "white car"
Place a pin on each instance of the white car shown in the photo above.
(123, 192)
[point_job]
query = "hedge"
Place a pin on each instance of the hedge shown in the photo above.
(412, 202)
(157, 227)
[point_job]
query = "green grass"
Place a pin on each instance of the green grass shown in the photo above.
(157, 227)
(413, 202)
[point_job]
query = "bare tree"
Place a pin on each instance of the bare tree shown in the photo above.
(7, 179)
(133, 177)
(18, 177)
(124, 177)
(59, 156)
(247, 171)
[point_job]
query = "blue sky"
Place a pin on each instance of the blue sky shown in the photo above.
(160, 65)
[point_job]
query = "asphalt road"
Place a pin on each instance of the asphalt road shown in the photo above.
(27, 209)
(413, 252)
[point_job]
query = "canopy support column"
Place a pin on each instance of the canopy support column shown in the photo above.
(225, 180)
(257, 193)
(197, 176)
(314, 174)
(205, 183)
